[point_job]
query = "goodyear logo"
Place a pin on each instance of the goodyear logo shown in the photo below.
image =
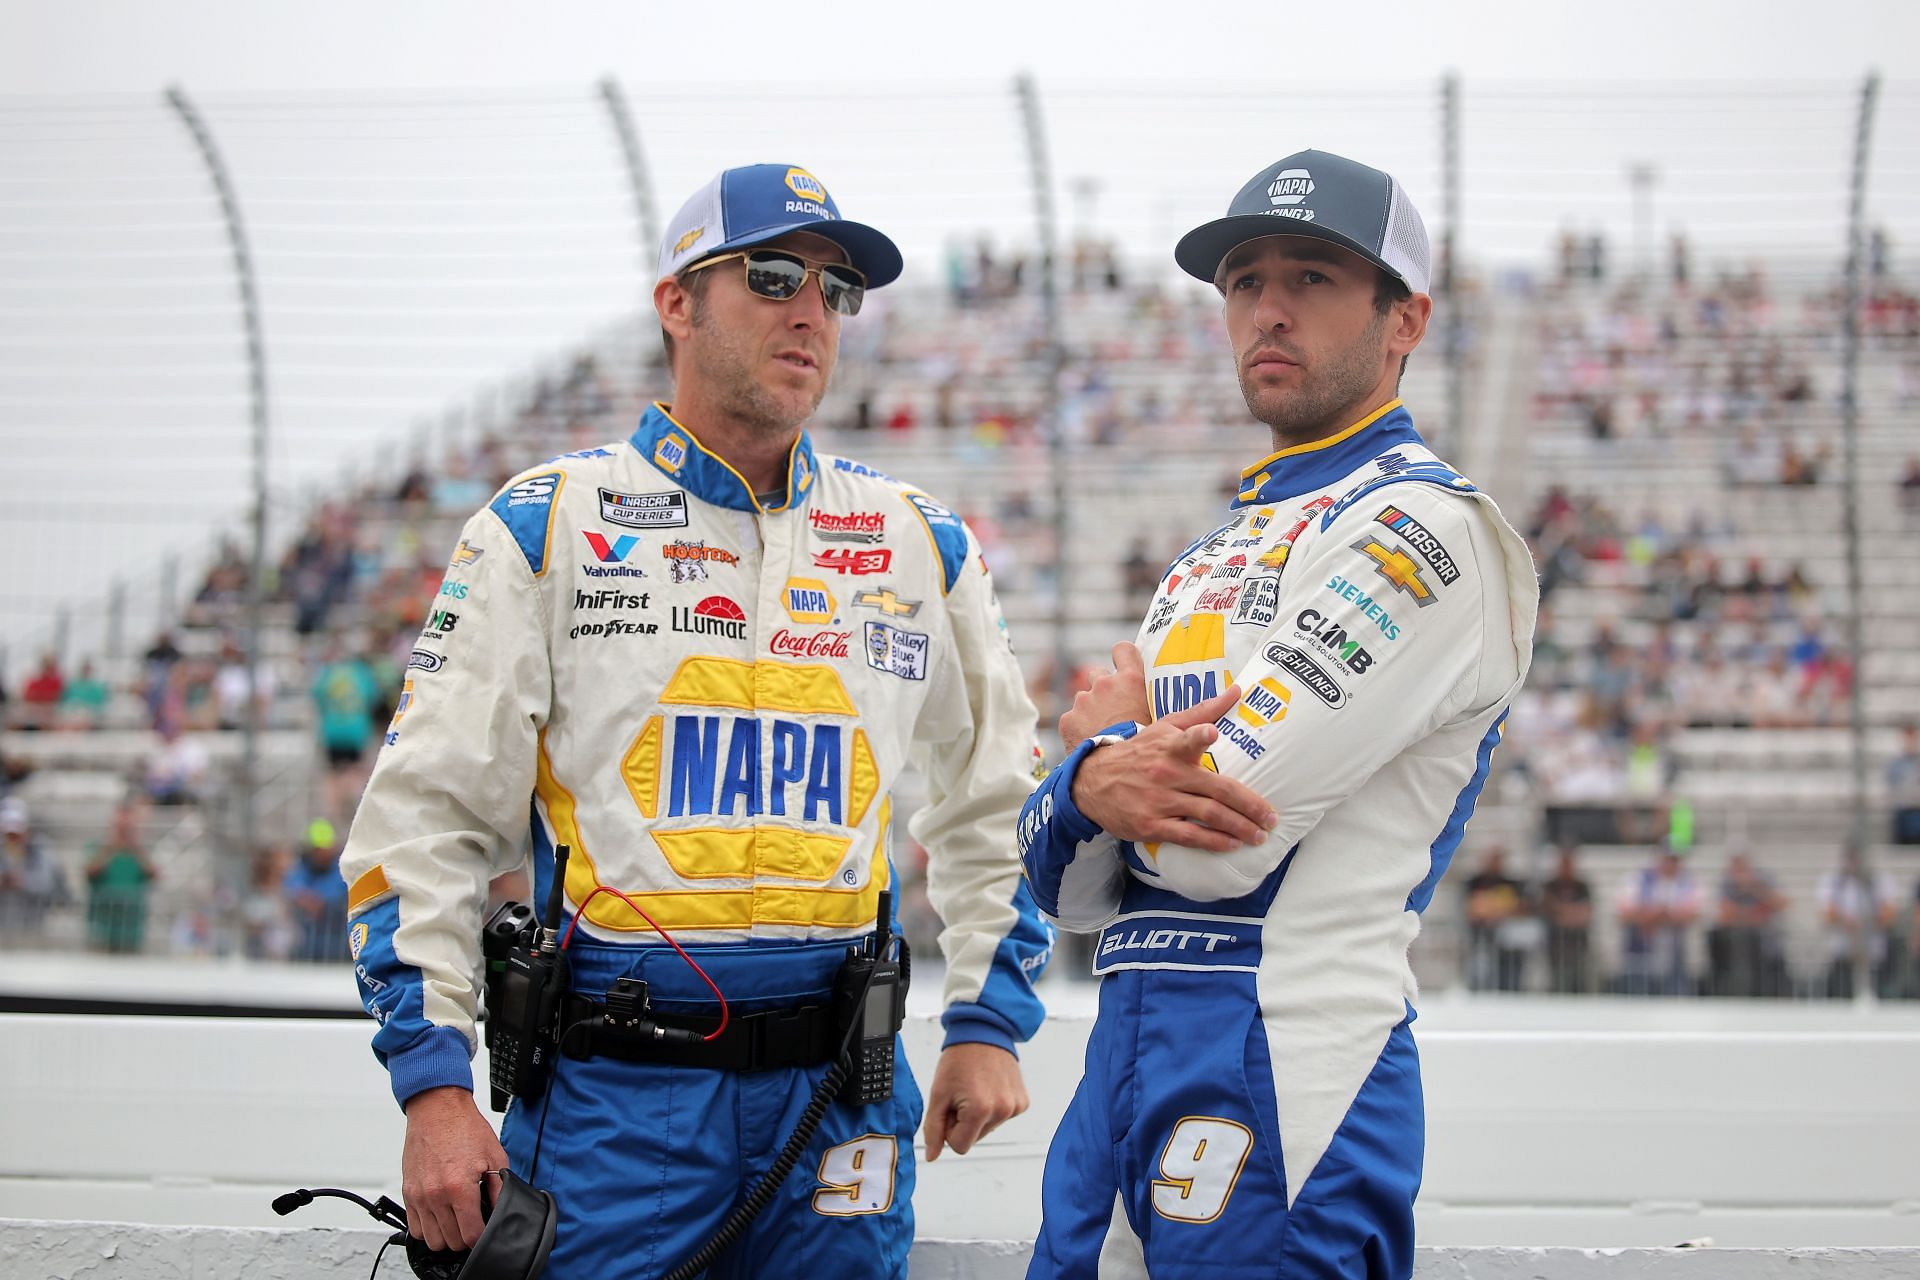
(805, 185)
(688, 240)
(671, 453)
(356, 939)
(808, 600)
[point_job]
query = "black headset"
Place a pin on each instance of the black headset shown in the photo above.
(513, 1246)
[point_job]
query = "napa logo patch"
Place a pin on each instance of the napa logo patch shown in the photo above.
(356, 939)
(671, 453)
(1290, 186)
(805, 185)
(808, 601)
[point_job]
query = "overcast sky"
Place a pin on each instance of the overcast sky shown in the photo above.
(94, 45)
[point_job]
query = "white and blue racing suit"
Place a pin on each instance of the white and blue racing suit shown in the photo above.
(708, 697)
(1251, 1101)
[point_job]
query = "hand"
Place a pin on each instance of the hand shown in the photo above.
(450, 1146)
(1119, 695)
(1153, 788)
(976, 1088)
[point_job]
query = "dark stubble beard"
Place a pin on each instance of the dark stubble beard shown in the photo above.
(727, 363)
(1326, 398)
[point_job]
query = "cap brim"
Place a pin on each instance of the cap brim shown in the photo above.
(869, 251)
(1201, 251)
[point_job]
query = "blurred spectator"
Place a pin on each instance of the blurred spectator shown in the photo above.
(1140, 577)
(1851, 905)
(317, 897)
(119, 876)
(1657, 910)
(347, 695)
(1566, 908)
(1903, 787)
(157, 678)
(41, 694)
(1910, 492)
(1500, 927)
(265, 915)
(177, 771)
(31, 881)
(83, 704)
(231, 687)
(1744, 956)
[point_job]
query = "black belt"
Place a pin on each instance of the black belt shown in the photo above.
(802, 1036)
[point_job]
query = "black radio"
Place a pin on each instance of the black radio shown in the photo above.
(526, 980)
(870, 1001)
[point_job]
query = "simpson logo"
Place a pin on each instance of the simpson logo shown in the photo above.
(670, 455)
(1259, 601)
(644, 510)
(896, 651)
(808, 601)
(1421, 539)
(425, 660)
(688, 240)
(854, 526)
(1290, 186)
(533, 490)
(1307, 672)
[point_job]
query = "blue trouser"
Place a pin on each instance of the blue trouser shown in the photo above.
(646, 1160)
(1168, 1161)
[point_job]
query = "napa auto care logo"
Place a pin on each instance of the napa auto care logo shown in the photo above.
(805, 185)
(713, 616)
(1290, 186)
(821, 644)
(808, 600)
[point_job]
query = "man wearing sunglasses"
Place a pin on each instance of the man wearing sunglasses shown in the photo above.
(701, 656)
(1358, 621)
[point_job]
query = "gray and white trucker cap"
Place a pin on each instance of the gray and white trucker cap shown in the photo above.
(1324, 196)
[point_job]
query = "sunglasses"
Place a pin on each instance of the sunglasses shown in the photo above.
(776, 274)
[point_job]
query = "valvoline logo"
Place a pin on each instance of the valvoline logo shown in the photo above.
(805, 185)
(610, 552)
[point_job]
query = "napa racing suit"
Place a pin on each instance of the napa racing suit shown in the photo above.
(1251, 1100)
(707, 696)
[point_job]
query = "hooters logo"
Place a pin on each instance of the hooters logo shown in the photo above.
(821, 644)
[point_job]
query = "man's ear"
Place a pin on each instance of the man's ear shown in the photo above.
(674, 305)
(1412, 324)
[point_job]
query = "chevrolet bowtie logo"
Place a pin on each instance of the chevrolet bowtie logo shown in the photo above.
(1399, 568)
(467, 553)
(887, 602)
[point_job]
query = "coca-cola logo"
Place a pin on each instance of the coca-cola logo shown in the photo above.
(820, 644)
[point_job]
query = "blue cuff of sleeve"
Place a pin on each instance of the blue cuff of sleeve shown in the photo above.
(439, 1057)
(975, 1024)
(1078, 825)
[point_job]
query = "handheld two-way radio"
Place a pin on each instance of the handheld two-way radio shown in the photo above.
(526, 981)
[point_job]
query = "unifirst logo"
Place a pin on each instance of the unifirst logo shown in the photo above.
(1290, 186)
(805, 185)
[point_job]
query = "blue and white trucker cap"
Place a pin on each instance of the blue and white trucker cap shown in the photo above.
(1326, 197)
(759, 202)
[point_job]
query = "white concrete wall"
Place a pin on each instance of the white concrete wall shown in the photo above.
(1596, 1138)
(119, 1251)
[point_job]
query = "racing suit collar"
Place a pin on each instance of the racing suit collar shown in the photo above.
(677, 453)
(1305, 468)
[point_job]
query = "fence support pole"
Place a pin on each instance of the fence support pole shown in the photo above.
(257, 387)
(646, 218)
(1857, 838)
(1047, 227)
(1453, 333)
